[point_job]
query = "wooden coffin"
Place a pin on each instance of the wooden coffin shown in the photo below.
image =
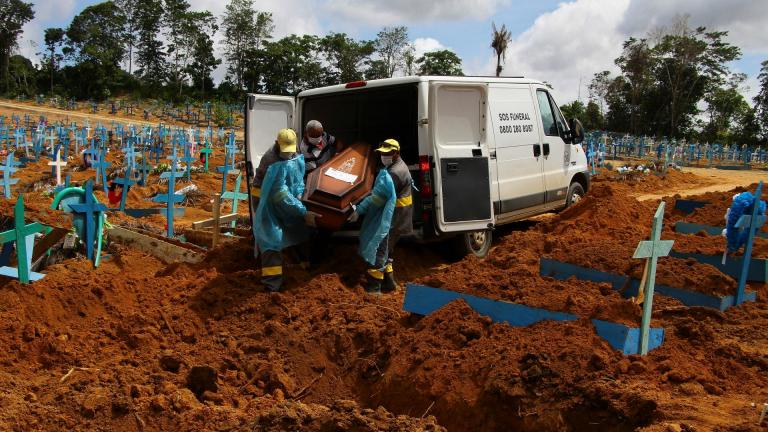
(341, 181)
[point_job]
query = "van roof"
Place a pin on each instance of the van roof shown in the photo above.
(416, 79)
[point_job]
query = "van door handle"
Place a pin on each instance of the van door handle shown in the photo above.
(536, 150)
(453, 167)
(546, 149)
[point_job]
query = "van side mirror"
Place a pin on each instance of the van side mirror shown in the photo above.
(577, 131)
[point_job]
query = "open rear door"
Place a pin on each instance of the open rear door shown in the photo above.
(458, 117)
(264, 117)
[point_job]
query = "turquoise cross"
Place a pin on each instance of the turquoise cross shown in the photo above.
(24, 236)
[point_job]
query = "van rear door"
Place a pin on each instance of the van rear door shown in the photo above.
(264, 116)
(458, 118)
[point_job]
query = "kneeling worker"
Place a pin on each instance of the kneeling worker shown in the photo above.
(281, 219)
(388, 215)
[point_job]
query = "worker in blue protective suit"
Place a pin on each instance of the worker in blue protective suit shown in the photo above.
(281, 219)
(388, 215)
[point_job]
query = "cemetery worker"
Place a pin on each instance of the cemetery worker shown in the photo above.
(388, 214)
(317, 146)
(281, 219)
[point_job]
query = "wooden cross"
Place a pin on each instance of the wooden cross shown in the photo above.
(188, 159)
(8, 169)
(751, 223)
(206, 152)
(126, 183)
(101, 165)
(57, 163)
(171, 197)
(651, 249)
(235, 196)
(51, 138)
(24, 236)
(228, 168)
(92, 212)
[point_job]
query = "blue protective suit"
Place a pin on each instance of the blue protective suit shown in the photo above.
(742, 204)
(377, 209)
(279, 221)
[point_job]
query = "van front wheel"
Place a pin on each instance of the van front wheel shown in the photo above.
(477, 243)
(575, 194)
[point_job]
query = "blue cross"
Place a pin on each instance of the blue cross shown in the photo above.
(126, 182)
(92, 212)
(171, 197)
(751, 223)
(8, 169)
(101, 165)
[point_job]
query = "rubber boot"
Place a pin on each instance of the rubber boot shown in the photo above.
(374, 279)
(272, 270)
(390, 284)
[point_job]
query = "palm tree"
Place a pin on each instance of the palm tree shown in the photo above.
(499, 44)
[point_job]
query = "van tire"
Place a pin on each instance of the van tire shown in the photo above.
(575, 194)
(476, 243)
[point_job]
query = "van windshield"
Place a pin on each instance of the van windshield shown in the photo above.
(370, 116)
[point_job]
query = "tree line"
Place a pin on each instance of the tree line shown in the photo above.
(677, 83)
(163, 49)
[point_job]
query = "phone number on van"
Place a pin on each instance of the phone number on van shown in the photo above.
(515, 128)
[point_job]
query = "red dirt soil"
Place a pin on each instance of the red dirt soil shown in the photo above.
(138, 345)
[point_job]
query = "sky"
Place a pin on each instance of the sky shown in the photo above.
(562, 42)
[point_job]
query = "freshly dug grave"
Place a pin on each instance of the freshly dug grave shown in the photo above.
(603, 231)
(713, 213)
(511, 273)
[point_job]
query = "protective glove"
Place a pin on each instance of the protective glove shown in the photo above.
(310, 218)
(354, 216)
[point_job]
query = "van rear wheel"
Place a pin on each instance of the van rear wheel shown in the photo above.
(477, 243)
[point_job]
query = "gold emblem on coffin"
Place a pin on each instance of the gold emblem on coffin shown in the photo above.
(348, 165)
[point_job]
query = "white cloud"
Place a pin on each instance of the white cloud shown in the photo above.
(388, 12)
(565, 46)
(32, 40)
(745, 20)
(425, 45)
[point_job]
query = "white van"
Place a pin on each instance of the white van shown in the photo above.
(482, 151)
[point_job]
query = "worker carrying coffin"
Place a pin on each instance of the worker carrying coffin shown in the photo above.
(387, 214)
(281, 219)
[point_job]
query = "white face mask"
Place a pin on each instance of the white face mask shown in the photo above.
(386, 160)
(316, 140)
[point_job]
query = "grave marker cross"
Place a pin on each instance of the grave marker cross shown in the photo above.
(651, 249)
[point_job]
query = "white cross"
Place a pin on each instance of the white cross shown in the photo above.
(58, 163)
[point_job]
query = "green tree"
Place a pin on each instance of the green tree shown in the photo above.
(689, 63)
(245, 31)
(761, 101)
(345, 57)
(150, 56)
(500, 42)
(443, 62)
(593, 117)
(376, 69)
(176, 22)
(13, 15)
(598, 89)
(54, 38)
(203, 60)
(409, 60)
(726, 107)
(291, 64)
(390, 45)
(95, 40)
(636, 64)
(130, 31)
(22, 73)
(575, 109)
